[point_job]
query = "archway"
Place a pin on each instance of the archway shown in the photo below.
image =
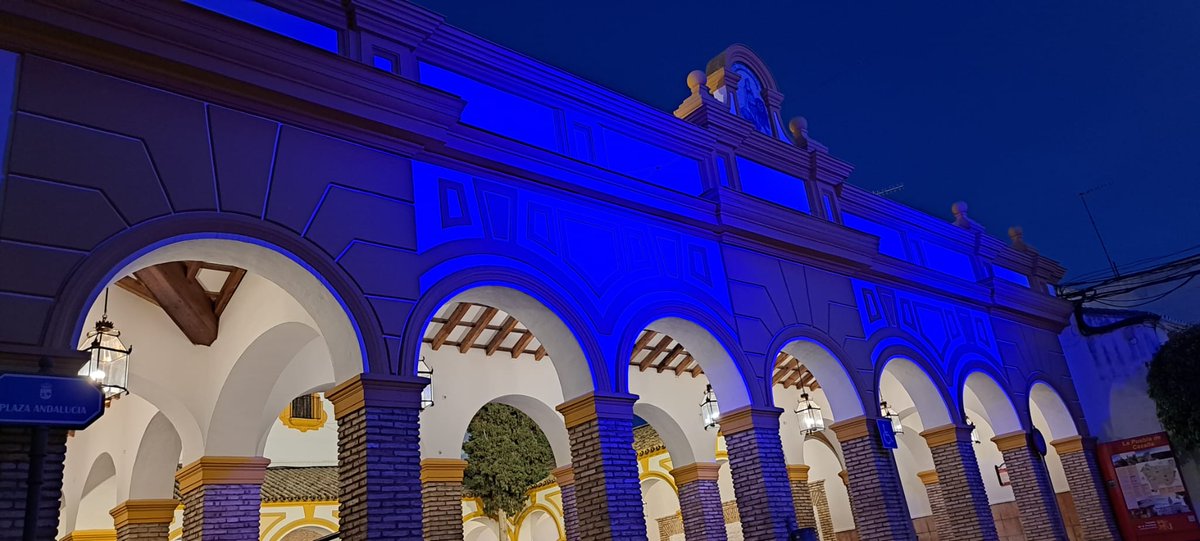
(904, 387)
(1050, 415)
(987, 406)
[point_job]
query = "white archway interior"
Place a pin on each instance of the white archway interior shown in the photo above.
(679, 447)
(98, 496)
(714, 359)
(1059, 423)
(903, 383)
(984, 396)
(825, 466)
(658, 500)
(840, 394)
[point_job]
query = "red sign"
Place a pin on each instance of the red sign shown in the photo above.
(1147, 490)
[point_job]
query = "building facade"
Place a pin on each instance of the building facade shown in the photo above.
(353, 199)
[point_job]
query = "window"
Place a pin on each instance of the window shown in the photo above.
(306, 412)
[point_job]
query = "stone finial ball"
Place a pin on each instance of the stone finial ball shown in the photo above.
(959, 207)
(696, 79)
(1016, 231)
(798, 125)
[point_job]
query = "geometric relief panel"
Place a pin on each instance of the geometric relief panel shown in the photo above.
(603, 246)
(941, 326)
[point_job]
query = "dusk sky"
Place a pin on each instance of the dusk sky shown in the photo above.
(1012, 107)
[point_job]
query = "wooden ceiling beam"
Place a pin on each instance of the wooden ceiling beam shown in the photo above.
(675, 352)
(519, 347)
(439, 339)
(227, 290)
(682, 366)
(642, 342)
(540, 353)
(654, 353)
(132, 285)
(184, 301)
(505, 329)
(476, 329)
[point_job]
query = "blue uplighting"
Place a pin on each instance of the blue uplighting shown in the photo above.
(274, 20)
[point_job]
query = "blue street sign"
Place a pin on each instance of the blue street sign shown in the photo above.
(34, 400)
(887, 437)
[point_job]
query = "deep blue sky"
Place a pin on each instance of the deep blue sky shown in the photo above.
(1015, 108)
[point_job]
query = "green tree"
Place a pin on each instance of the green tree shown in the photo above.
(506, 455)
(1174, 381)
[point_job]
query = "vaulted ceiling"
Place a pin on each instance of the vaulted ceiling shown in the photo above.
(466, 326)
(192, 293)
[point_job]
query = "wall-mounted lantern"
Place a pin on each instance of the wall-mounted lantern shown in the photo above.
(425, 371)
(890, 414)
(974, 432)
(709, 412)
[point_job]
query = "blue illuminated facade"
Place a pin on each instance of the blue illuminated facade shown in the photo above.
(419, 162)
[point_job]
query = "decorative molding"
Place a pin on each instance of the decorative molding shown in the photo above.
(222, 470)
(798, 472)
(563, 476)
(928, 477)
(443, 470)
(1011, 440)
(91, 535)
(1071, 444)
(852, 428)
(589, 407)
(144, 512)
(697, 471)
(382, 390)
(946, 435)
(748, 417)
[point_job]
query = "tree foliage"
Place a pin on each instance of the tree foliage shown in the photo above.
(1174, 381)
(506, 455)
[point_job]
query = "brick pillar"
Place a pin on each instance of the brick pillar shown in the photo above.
(565, 478)
(1036, 501)
(441, 498)
(81, 535)
(937, 504)
(222, 497)
(801, 496)
(1078, 456)
(379, 457)
(14, 476)
(966, 501)
(700, 501)
(821, 506)
(760, 477)
(608, 495)
(144, 520)
(876, 495)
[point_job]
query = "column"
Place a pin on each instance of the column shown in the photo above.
(15, 446)
(565, 478)
(1036, 503)
(760, 477)
(222, 497)
(700, 501)
(441, 498)
(1078, 456)
(937, 504)
(876, 495)
(821, 506)
(144, 520)
(608, 495)
(966, 502)
(379, 457)
(801, 497)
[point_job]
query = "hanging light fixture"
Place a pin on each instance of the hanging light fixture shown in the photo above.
(708, 409)
(888, 413)
(425, 371)
(974, 432)
(811, 420)
(108, 357)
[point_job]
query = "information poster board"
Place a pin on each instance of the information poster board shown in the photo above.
(1146, 489)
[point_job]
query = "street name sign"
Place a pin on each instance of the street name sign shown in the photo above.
(34, 400)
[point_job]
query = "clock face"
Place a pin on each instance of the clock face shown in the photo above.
(750, 98)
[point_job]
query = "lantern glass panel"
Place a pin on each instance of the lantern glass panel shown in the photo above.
(890, 414)
(811, 420)
(426, 371)
(709, 412)
(108, 359)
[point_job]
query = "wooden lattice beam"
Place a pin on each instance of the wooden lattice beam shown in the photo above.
(654, 353)
(505, 329)
(666, 363)
(456, 316)
(519, 348)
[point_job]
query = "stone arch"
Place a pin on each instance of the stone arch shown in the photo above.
(182, 420)
(682, 450)
(153, 474)
(921, 388)
(713, 354)
(236, 426)
(307, 532)
(532, 299)
(994, 401)
(90, 504)
(548, 420)
(537, 521)
(444, 439)
(331, 297)
(1059, 421)
(823, 358)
